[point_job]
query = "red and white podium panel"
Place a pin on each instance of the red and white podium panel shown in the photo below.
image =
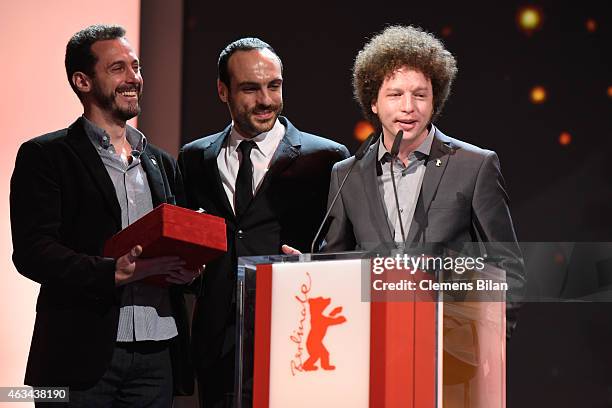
(313, 334)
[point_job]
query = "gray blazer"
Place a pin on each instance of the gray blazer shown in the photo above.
(463, 199)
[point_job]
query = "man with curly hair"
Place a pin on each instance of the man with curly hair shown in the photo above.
(449, 191)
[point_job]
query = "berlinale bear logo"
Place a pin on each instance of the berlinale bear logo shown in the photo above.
(319, 322)
(318, 327)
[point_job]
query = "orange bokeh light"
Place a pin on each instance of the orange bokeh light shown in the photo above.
(529, 18)
(610, 91)
(363, 129)
(565, 139)
(537, 94)
(591, 25)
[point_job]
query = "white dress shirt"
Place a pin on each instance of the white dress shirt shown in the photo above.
(230, 157)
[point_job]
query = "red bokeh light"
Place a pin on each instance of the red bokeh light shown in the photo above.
(591, 25)
(565, 138)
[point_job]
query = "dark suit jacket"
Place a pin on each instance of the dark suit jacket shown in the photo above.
(286, 209)
(63, 209)
(463, 200)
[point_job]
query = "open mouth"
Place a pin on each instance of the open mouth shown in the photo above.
(407, 124)
(132, 93)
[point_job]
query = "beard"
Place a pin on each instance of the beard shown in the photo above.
(108, 102)
(250, 126)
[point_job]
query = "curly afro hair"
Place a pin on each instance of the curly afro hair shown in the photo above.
(397, 47)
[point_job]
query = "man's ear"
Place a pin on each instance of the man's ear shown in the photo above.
(374, 108)
(82, 82)
(222, 90)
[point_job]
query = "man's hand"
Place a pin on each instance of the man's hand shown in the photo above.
(288, 250)
(185, 276)
(130, 268)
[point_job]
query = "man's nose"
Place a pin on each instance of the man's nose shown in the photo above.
(133, 74)
(264, 98)
(407, 103)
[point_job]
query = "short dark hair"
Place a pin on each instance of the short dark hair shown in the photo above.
(79, 57)
(394, 48)
(243, 44)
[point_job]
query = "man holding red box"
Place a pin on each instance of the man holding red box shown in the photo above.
(100, 330)
(258, 174)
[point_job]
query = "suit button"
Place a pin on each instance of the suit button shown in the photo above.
(240, 234)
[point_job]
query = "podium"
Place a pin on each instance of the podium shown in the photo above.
(312, 331)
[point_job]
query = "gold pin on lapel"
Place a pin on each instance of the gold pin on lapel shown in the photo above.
(438, 162)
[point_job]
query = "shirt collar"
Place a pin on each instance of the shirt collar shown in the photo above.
(423, 150)
(100, 138)
(136, 139)
(266, 142)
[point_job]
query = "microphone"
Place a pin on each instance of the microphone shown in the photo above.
(358, 156)
(396, 143)
(394, 153)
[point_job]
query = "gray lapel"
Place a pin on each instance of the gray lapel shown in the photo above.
(367, 169)
(435, 167)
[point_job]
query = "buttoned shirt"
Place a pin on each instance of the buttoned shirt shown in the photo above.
(145, 312)
(230, 157)
(408, 179)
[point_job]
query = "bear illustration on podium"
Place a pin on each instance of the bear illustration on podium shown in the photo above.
(318, 328)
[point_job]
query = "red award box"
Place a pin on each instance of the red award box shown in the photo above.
(169, 230)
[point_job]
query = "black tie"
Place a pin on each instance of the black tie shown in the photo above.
(244, 181)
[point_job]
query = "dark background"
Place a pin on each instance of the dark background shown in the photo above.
(561, 353)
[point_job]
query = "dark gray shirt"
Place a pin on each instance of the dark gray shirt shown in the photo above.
(145, 309)
(408, 180)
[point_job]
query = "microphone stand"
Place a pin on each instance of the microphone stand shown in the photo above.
(358, 156)
(394, 153)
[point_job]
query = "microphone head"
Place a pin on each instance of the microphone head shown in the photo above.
(396, 143)
(365, 146)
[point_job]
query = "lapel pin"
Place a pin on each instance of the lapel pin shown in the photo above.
(438, 162)
(153, 160)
